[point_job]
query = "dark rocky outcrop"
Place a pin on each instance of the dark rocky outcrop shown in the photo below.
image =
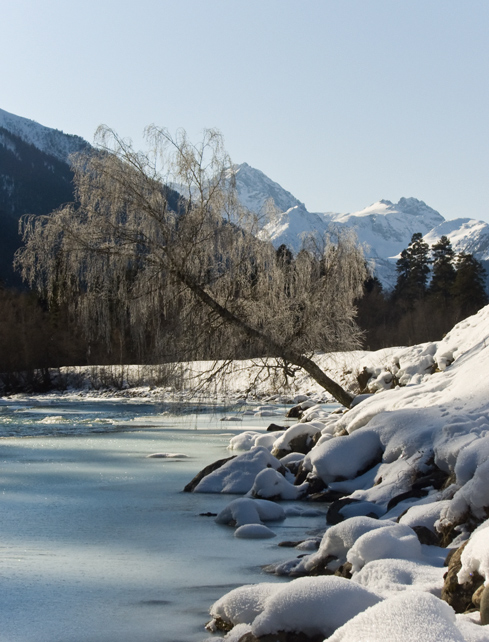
(460, 596)
(363, 379)
(192, 485)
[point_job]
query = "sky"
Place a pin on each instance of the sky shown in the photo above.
(342, 102)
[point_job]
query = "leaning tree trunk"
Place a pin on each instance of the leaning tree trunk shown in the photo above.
(291, 355)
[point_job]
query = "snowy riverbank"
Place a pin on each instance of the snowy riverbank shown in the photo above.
(410, 466)
(406, 470)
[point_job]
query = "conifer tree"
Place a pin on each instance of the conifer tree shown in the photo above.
(469, 285)
(412, 270)
(443, 270)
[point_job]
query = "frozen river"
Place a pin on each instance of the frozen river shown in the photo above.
(98, 543)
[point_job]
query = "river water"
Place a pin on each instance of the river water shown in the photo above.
(98, 543)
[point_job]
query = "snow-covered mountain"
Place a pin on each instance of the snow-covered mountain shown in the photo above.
(52, 142)
(384, 228)
(466, 234)
(255, 188)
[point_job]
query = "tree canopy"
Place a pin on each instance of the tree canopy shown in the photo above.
(130, 250)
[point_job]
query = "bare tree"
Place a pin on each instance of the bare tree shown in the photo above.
(127, 250)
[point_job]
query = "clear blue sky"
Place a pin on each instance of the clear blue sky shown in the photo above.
(342, 102)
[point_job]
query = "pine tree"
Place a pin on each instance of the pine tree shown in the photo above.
(443, 270)
(469, 285)
(412, 271)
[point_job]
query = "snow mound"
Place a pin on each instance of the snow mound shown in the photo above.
(271, 484)
(392, 541)
(343, 456)
(409, 617)
(312, 605)
(387, 576)
(243, 604)
(250, 511)
(238, 474)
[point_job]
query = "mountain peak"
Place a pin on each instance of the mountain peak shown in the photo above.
(255, 188)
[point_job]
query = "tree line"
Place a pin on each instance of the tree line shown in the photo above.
(435, 289)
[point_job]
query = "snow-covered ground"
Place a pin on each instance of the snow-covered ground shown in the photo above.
(428, 421)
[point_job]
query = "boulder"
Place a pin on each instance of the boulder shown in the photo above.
(426, 536)
(459, 596)
(276, 428)
(295, 412)
(484, 605)
(190, 487)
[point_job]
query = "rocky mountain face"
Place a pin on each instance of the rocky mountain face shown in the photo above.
(384, 228)
(35, 178)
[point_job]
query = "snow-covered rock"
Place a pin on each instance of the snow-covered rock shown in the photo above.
(238, 475)
(250, 511)
(408, 617)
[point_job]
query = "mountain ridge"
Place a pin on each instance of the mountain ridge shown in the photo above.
(35, 178)
(383, 228)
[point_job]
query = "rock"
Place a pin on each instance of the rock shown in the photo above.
(321, 566)
(276, 428)
(477, 597)
(459, 596)
(344, 571)
(436, 478)
(218, 624)
(484, 605)
(413, 493)
(334, 516)
(295, 412)
(290, 544)
(363, 379)
(426, 536)
(190, 487)
(300, 444)
(316, 485)
(327, 496)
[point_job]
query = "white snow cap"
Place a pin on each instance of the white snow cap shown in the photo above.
(409, 617)
(312, 605)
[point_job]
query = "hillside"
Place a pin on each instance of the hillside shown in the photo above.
(35, 178)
